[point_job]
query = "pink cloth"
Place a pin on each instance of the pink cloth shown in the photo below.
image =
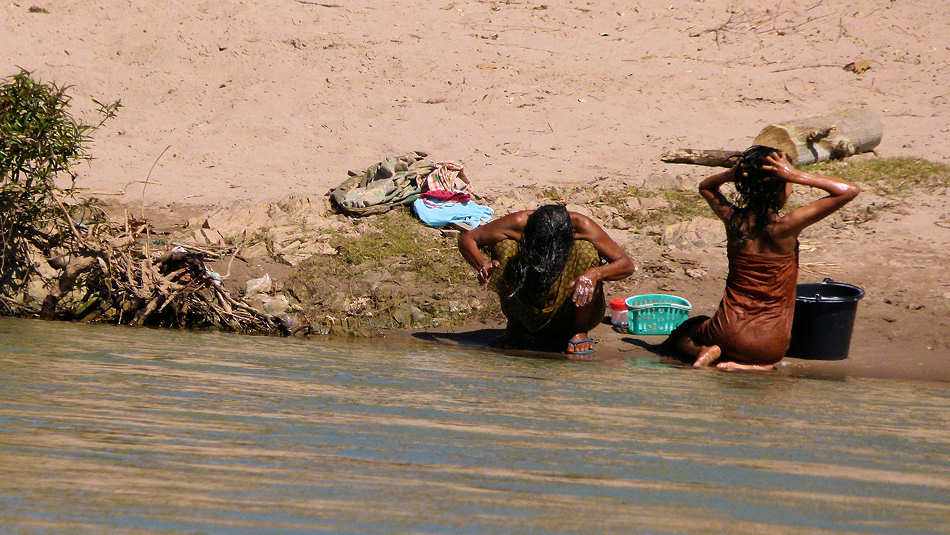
(447, 196)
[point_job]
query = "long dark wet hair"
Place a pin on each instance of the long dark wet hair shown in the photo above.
(545, 245)
(758, 192)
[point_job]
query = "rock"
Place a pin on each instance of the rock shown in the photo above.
(654, 203)
(581, 209)
(206, 236)
(644, 205)
(258, 250)
(373, 278)
(198, 222)
(276, 305)
(407, 315)
(619, 223)
(35, 292)
(662, 181)
(697, 232)
(293, 259)
(408, 277)
(417, 315)
(696, 273)
(271, 305)
(402, 316)
(45, 269)
(289, 320)
(324, 249)
(602, 212)
(260, 285)
(632, 204)
(578, 197)
(336, 301)
(296, 252)
(359, 306)
(286, 234)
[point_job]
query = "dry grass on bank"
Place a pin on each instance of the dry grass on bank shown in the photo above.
(392, 273)
(890, 177)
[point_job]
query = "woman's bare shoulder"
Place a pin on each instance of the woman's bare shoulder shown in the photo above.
(586, 228)
(580, 221)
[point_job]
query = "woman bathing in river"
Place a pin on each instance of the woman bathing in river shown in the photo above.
(753, 324)
(548, 265)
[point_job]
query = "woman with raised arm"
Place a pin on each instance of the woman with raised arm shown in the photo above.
(547, 266)
(752, 326)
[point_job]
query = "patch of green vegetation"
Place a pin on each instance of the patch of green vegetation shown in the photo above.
(399, 241)
(616, 198)
(888, 176)
(553, 194)
(394, 273)
(686, 204)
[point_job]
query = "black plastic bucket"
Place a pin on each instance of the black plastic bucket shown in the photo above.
(824, 319)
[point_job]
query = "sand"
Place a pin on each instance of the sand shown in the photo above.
(258, 100)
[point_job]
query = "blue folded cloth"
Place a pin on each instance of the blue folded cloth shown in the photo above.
(440, 213)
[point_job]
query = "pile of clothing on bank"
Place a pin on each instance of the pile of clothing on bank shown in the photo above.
(439, 192)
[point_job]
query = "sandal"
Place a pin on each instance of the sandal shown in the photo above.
(575, 343)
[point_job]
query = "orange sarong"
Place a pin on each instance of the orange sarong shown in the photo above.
(753, 323)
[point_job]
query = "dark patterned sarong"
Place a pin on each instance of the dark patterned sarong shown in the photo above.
(549, 313)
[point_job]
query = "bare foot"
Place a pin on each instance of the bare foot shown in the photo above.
(730, 366)
(707, 355)
(580, 347)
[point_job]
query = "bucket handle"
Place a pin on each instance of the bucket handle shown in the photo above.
(828, 280)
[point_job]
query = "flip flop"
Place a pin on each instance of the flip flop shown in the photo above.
(574, 343)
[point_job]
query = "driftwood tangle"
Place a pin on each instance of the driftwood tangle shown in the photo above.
(812, 139)
(109, 273)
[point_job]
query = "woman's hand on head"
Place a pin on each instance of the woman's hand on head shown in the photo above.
(777, 163)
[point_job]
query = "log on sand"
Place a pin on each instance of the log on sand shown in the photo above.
(813, 139)
(824, 137)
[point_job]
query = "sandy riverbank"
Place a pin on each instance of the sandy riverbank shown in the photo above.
(260, 100)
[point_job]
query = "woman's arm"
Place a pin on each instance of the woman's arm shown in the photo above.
(511, 226)
(840, 192)
(709, 189)
(619, 265)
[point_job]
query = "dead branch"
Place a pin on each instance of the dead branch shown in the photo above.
(321, 4)
(711, 158)
(814, 66)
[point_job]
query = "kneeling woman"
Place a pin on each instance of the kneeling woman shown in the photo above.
(547, 266)
(753, 324)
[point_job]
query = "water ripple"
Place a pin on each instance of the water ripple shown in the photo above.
(117, 430)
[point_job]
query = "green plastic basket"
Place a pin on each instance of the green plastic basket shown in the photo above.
(656, 313)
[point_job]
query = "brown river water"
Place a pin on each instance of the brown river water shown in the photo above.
(117, 430)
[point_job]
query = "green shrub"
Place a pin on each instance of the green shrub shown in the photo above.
(40, 142)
